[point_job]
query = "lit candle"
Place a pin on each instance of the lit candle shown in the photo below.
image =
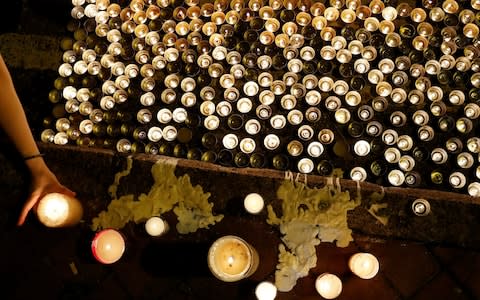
(108, 246)
(230, 258)
(266, 291)
(364, 265)
(59, 210)
(155, 226)
(253, 203)
(329, 286)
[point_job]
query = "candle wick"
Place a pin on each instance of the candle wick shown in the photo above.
(230, 261)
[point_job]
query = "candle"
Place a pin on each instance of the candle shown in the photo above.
(253, 203)
(59, 210)
(155, 226)
(266, 291)
(329, 286)
(364, 265)
(108, 246)
(421, 207)
(230, 258)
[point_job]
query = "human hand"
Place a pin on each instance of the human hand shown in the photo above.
(43, 183)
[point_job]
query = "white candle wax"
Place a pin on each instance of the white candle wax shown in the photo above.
(108, 246)
(155, 226)
(364, 265)
(329, 286)
(230, 258)
(266, 291)
(253, 203)
(59, 210)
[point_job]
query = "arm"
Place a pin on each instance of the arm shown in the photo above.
(14, 122)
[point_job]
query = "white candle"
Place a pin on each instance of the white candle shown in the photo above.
(364, 265)
(230, 258)
(253, 203)
(266, 291)
(108, 246)
(329, 286)
(155, 226)
(59, 210)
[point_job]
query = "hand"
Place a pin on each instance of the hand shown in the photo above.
(43, 183)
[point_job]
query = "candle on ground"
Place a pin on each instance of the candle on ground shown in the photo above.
(156, 226)
(59, 210)
(329, 286)
(364, 265)
(266, 290)
(108, 246)
(253, 203)
(230, 258)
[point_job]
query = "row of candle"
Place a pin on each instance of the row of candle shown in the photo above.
(230, 258)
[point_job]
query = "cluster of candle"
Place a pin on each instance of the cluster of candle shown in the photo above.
(108, 245)
(230, 258)
(273, 84)
(363, 265)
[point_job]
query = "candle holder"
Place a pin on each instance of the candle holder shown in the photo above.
(266, 290)
(328, 285)
(253, 203)
(421, 207)
(364, 265)
(230, 259)
(108, 246)
(59, 210)
(156, 226)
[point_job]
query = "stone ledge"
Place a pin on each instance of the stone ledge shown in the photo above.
(454, 218)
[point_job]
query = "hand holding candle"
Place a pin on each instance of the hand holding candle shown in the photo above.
(230, 258)
(59, 210)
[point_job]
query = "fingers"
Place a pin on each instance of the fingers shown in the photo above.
(26, 209)
(67, 191)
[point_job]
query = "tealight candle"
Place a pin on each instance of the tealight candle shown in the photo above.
(230, 258)
(329, 286)
(364, 265)
(253, 203)
(266, 290)
(59, 210)
(156, 226)
(108, 246)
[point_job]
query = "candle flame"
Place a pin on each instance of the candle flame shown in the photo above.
(230, 260)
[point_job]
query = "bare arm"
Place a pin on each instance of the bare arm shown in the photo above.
(12, 116)
(14, 122)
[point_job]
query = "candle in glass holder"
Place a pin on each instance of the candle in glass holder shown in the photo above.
(59, 210)
(108, 246)
(329, 286)
(156, 226)
(364, 265)
(266, 290)
(230, 258)
(253, 203)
